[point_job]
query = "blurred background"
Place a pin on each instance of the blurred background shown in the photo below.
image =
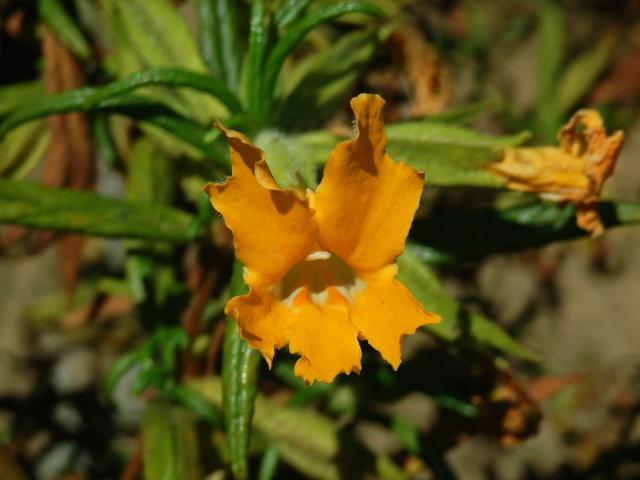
(111, 321)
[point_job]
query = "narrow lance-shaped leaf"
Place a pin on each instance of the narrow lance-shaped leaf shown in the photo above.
(294, 35)
(255, 57)
(209, 33)
(15, 94)
(31, 205)
(219, 42)
(170, 443)
(290, 12)
(579, 76)
(240, 368)
(145, 25)
(456, 323)
(133, 106)
(86, 99)
(325, 80)
(304, 438)
(57, 18)
(550, 37)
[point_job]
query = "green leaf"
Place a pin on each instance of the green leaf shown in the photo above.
(550, 38)
(144, 24)
(290, 169)
(56, 17)
(31, 205)
(578, 78)
(240, 369)
(294, 35)
(444, 236)
(258, 38)
(170, 77)
(219, 42)
(23, 149)
(197, 404)
(159, 34)
(14, 95)
(122, 365)
(456, 324)
(269, 464)
(449, 154)
(304, 438)
(290, 12)
(323, 82)
(149, 174)
(140, 108)
(87, 99)
(170, 443)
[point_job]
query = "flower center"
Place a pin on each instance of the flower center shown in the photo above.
(319, 273)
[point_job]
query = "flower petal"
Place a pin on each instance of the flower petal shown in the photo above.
(272, 228)
(385, 310)
(366, 201)
(326, 340)
(263, 321)
(575, 171)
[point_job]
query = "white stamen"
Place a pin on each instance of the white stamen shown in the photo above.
(318, 272)
(318, 255)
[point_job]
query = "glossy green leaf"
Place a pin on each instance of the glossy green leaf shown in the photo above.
(290, 12)
(258, 37)
(169, 443)
(31, 205)
(170, 77)
(219, 42)
(137, 107)
(52, 12)
(456, 324)
(240, 369)
(87, 99)
(295, 34)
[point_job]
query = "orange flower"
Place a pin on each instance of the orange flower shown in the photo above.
(321, 266)
(574, 172)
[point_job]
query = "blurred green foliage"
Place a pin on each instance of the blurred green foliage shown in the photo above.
(154, 88)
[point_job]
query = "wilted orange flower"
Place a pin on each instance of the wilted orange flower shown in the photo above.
(574, 172)
(321, 265)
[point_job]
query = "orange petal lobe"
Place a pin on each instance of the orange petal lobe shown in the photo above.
(263, 321)
(326, 341)
(385, 311)
(272, 228)
(366, 201)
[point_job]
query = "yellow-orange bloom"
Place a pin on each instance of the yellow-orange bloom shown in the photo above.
(575, 171)
(321, 267)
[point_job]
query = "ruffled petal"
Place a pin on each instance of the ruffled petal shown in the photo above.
(366, 201)
(263, 320)
(326, 340)
(384, 311)
(272, 228)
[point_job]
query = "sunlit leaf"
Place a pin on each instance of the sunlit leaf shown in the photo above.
(31, 205)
